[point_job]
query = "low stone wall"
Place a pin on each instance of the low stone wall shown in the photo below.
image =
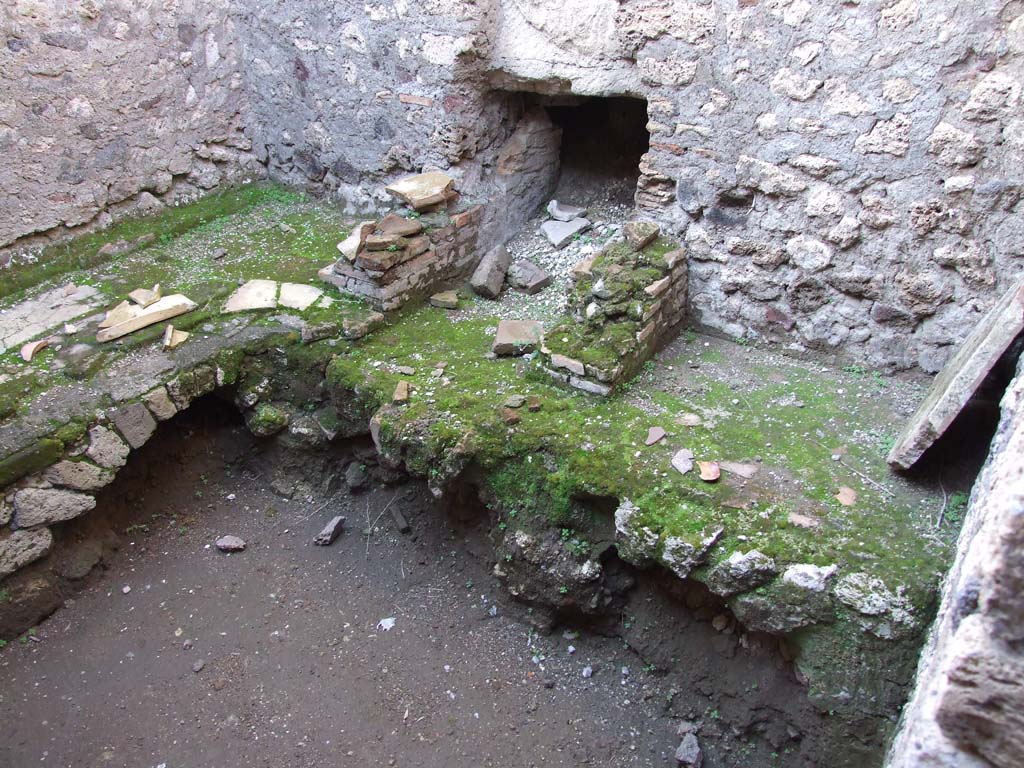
(449, 253)
(626, 302)
(968, 706)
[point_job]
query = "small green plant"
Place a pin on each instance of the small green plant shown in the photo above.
(392, 248)
(858, 371)
(563, 590)
(566, 534)
(502, 526)
(742, 341)
(689, 337)
(956, 506)
(469, 583)
(578, 547)
(879, 379)
(136, 528)
(4, 595)
(3, 644)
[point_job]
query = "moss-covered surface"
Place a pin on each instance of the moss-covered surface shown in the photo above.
(202, 249)
(810, 430)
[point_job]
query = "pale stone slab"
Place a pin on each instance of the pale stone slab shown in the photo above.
(146, 296)
(298, 296)
(164, 309)
(517, 337)
(255, 294)
(173, 337)
(423, 190)
(961, 377)
(350, 246)
(561, 233)
(49, 310)
(445, 300)
(560, 212)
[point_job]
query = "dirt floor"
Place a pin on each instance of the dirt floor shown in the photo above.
(174, 652)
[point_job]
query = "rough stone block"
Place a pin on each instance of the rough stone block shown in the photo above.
(489, 275)
(445, 300)
(528, 277)
(20, 548)
(43, 506)
(78, 475)
(640, 234)
(560, 212)
(106, 448)
(135, 423)
(159, 404)
(517, 337)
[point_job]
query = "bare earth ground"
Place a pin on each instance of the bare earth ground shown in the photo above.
(293, 668)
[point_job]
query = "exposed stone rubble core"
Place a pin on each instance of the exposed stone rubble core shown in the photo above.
(967, 708)
(627, 301)
(401, 258)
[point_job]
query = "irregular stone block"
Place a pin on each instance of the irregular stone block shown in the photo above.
(20, 548)
(445, 300)
(159, 404)
(561, 212)
(961, 377)
(135, 423)
(517, 337)
(350, 246)
(106, 448)
(423, 190)
(489, 275)
(574, 366)
(398, 226)
(43, 506)
(78, 475)
(640, 234)
(561, 233)
(330, 532)
(528, 277)
(28, 460)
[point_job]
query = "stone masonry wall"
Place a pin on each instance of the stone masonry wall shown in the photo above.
(106, 107)
(846, 176)
(968, 706)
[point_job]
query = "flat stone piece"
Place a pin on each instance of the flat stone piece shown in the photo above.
(118, 314)
(135, 423)
(517, 337)
(29, 350)
(528, 277)
(640, 234)
(230, 544)
(255, 294)
(654, 435)
(298, 296)
(393, 224)
(78, 475)
(23, 547)
(381, 242)
(562, 212)
(330, 532)
(47, 311)
(164, 309)
(515, 401)
(350, 246)
(146, 296)
(173, 337)
(44, 506)
(710, 471)
(445, 300)
(568, 363)
(746, 471)
(489, 275)
(958, 381)
(683, 460)
(106, 448)
(561, 233)
(423, 190)
(401, 394)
